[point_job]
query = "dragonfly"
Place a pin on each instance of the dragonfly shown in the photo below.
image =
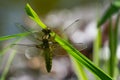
(45, 43)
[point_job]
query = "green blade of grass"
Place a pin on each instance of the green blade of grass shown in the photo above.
(10, 59)
(111, 48)
(112, 9)
(82, 59)
(116, 45)
(96, 47)
(113, 41)
(14, 36)
(116, 32)
(117, 3)
(69, 48)
(79, 70)
(34, 16)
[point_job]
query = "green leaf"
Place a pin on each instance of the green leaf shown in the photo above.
(71, 50)
(112, 9)
(32, 14)
(109, 12)
(113, 41)
(10, 59)
(111, 48)
(82, 59)
(117, 3)
(8, 64)
(79, 70)
(96, 47)
(13, 36)
(116, 31)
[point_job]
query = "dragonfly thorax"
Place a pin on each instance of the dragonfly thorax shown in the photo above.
(45, 43)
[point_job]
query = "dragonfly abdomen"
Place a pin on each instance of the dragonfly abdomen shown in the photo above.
(48, 59)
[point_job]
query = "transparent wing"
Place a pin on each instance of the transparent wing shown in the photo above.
(33, 52)
(80, 46)
(73, 26)
(59, 51)
(35, 36)
(29, 50)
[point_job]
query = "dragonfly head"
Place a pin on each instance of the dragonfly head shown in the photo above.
(46, 31)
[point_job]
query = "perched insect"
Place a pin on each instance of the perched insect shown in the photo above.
(47, 46)
(45, 42)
